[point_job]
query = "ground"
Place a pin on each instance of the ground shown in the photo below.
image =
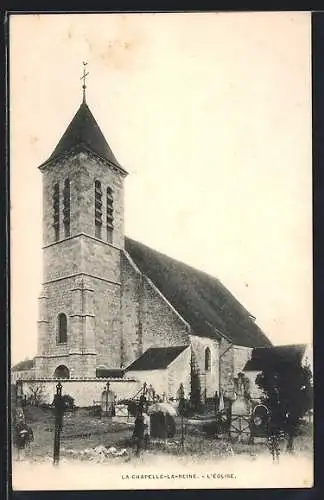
(96, 454)
(83, 432)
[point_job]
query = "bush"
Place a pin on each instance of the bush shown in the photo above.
(288, 393)
(68, 402)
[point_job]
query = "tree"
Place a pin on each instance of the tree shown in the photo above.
(36, 396)
(181, 399)
(288, 393)
(181, 409)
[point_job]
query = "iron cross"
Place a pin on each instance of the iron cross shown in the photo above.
(83, 77)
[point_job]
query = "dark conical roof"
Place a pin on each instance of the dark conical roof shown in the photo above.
(84, 131)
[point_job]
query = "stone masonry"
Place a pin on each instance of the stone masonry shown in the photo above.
(81, 272)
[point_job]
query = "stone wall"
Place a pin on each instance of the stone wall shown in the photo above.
(209, 380)
(93, 324)
(62, 259)
(148, 319)
(131, 280)
(226, 353)
(179, 373)
(241, 356)
(100, 260)
(58, 300)
(78, 364)
(157, 378)
(22, 375)
(107, 323)
(232, 361)
(161, 325)
(84, 392)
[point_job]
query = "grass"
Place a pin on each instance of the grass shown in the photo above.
(80, 430)
(83, 431)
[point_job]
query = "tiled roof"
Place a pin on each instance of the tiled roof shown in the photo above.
(275, 356)
(109, 373)
(84, 131)
(156, 358)
(27, 364)
(202, 300)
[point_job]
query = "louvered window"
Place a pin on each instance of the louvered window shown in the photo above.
(56, 211)
(66, 208)
(110, 215)
(98, 209)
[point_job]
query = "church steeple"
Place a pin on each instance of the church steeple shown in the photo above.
(84, 134)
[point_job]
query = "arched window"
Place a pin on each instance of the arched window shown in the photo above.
(56, 211)
(62, 329)
(110, 215)
(207, 360)
(62, 372)
(98, 209)
(66, 208)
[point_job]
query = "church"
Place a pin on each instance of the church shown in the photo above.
(112, 308)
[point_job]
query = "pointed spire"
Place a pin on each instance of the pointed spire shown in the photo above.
(83, 77)
(84, 132)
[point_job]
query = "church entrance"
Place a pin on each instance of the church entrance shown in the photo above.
(62, 372)
(108, 403)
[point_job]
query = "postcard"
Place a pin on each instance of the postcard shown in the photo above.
(161, 250)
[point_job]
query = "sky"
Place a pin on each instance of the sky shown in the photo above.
(210, 113)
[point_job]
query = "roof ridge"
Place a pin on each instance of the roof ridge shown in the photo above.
(167, 347)
(200, 298)
(188, 266)
(172, 258)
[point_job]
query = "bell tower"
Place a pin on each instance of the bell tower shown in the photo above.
(79, 325)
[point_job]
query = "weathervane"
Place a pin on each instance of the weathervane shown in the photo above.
(83, 77)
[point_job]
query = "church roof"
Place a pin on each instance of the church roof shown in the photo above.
(109, 373)
(275, 356)
(27, 364)
(202, 300)
(156, 358)
(83, 131)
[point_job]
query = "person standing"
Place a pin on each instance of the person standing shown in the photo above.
(216, 402)
(147, 429)
(139, 430)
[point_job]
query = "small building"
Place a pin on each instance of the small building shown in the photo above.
(165, 368)
(274, 357)
(24, 370)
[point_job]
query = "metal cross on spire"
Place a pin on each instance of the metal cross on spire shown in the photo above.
(83, 77)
